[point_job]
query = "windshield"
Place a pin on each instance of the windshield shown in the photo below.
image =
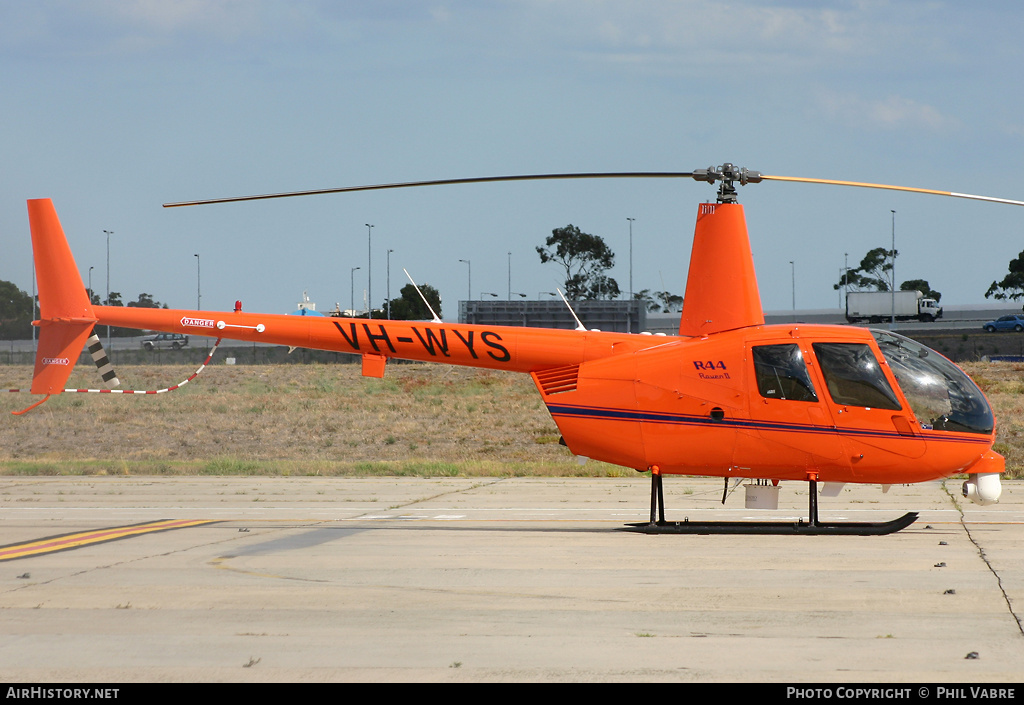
(942, 397)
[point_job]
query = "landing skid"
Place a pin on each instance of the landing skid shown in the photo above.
(812, 527)
(775, 527)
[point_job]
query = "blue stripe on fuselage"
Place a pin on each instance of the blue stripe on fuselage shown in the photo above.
(611, 414)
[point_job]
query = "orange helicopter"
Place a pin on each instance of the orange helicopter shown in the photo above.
(728, 396)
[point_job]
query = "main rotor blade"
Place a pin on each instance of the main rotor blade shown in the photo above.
(446, 182)
(893, 188)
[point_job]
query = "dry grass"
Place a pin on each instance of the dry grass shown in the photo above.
(290, 419)
(1003, 384)
(327, 420)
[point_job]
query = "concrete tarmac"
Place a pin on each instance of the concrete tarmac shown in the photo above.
(488, 579)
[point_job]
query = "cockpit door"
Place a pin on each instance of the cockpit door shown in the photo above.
(791, 427)
(867, 411)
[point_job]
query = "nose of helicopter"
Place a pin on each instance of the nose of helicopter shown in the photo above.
(982, 485)
(941, 395)
(944, 398)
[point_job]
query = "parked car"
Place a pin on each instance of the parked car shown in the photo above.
(173, 341)
(1012, 322)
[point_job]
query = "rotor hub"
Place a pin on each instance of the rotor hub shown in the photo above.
(729, 175)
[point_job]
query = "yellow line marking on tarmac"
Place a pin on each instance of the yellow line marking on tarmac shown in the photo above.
(78, 539)
(221, 564)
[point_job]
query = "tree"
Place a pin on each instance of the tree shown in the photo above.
(1012, 285)
(15, 312)
(669, 302)
(644, 295)
(145, 301)
(409, 306)
(873, 274)
(586, 258)
(922, 286)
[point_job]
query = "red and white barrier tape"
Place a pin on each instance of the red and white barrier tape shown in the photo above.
(142, 391)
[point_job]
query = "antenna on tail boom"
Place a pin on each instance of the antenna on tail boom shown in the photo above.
(425, 303)
(579, 323)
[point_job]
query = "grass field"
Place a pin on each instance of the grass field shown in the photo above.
(289, 419)
(325, 419)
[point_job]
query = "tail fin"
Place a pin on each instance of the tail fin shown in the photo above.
(66, 315)
(725, 296)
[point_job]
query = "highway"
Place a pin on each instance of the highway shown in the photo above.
(955, 318)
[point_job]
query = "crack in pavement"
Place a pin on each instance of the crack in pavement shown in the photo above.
(984, 558)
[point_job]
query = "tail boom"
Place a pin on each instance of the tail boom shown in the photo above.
(510, 348)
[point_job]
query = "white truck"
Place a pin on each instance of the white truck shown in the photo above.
(879, 306)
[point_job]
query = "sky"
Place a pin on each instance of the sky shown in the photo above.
(114, 107)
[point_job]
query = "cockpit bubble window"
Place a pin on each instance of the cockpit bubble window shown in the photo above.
(854, 376)
(782, 374)
(941, 396)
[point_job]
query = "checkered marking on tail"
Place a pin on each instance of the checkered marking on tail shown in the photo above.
(99, 356)
(136, 391)
(154, 391)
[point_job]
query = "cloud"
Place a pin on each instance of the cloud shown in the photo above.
(113, 27)
(224, 18)
(702, 33)
(891, 113)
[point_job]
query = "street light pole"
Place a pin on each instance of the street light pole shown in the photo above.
(107, 302)
(509, 276)
(893, 272)
(369, 270)
(199, 285)
(389, 284)
(846, 278)
(90, 285)
(792, 268)
(352, 291)
(630, 257)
